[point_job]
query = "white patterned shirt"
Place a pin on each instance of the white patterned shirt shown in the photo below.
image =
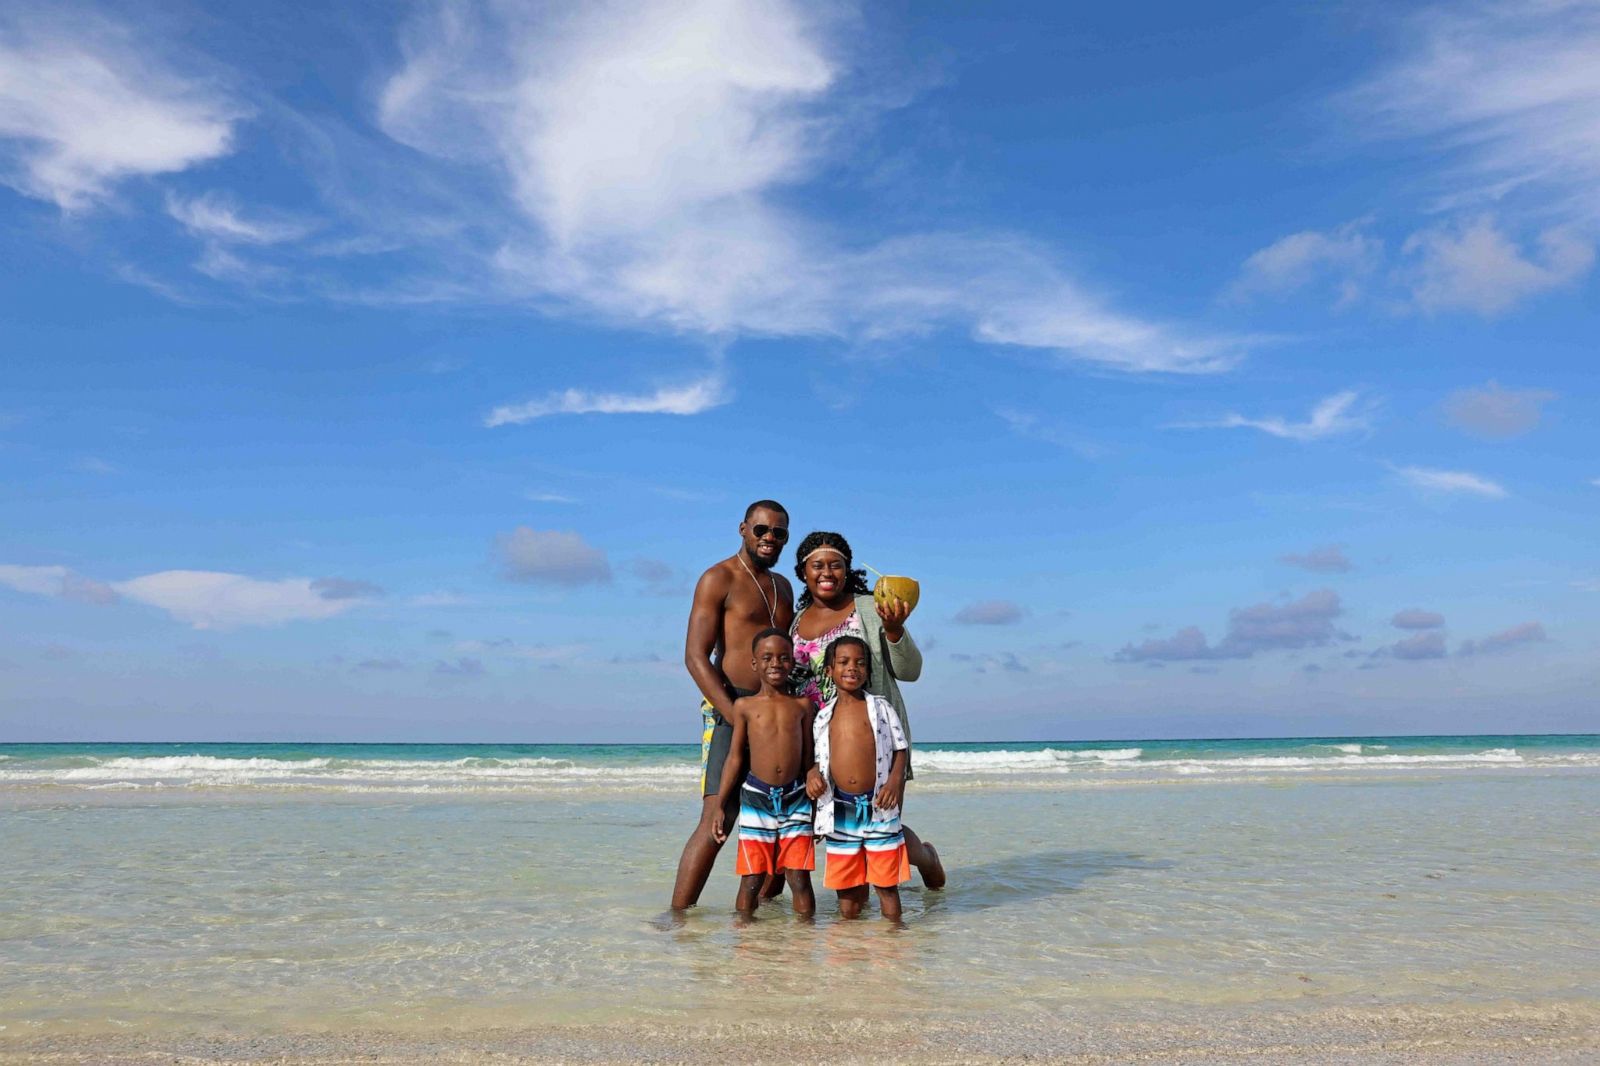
(887, 737)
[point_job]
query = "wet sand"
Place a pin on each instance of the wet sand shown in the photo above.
(1548, 1033)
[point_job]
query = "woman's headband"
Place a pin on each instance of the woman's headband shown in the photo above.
(824, 548)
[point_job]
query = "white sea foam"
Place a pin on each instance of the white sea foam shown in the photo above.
(975, 762)
(955, 768)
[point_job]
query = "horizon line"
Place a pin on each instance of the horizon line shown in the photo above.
(674, 743)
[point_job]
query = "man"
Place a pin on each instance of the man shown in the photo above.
(733, 601)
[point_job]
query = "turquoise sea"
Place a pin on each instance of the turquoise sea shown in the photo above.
(258, 888)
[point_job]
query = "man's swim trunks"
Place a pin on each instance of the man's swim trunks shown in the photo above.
(862, 851)
(774, 828)
(716, 737)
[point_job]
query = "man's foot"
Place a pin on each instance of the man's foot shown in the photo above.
(931, 868)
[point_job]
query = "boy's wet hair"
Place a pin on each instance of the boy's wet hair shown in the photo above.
(771, 631)
(855, 642)
(771, 505)
(855, 580)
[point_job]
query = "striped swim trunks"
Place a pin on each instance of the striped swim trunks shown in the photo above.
(774, 828)
(861, 850)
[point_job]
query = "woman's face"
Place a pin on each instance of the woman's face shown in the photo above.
(827, 576)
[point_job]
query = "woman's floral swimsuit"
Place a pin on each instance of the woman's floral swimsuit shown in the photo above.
(810, 679)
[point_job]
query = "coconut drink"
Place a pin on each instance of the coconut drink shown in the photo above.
(895, 587)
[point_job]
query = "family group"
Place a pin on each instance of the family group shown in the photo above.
(804, 732)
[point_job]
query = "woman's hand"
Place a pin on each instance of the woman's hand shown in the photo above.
(894, 611)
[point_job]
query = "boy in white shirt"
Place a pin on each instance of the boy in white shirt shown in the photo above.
(857, 783)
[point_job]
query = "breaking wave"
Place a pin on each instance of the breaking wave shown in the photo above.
(668, 769)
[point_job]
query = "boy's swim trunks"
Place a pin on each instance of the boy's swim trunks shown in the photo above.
(861, 850)
(774, 828)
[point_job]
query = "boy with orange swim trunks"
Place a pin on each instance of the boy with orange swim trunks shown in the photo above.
(774, 819)
(858, 780)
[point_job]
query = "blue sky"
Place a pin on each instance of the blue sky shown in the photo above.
(390, 371)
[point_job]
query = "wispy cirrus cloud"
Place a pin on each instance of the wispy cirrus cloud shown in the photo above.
(689, 399)
(648, 160)
(1035, 427)
(1451, 482)
(1343, 412)
(216, 216)
(86, 105)
(1508, 90)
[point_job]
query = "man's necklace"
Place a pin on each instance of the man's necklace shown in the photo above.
(772, 609)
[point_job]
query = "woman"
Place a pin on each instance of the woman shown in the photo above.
(836, 602)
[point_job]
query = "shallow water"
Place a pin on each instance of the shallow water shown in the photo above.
(226, 902)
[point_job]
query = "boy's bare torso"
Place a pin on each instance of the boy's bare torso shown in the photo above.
(776, 729)
(852, 746)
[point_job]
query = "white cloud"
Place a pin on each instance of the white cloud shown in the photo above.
(1417, 618)
(215, 216)
(1526, 633)
(1329, 559)
(690, 399)
(990, 613)
(1335, 415)
(36, 580)
(56, 581)
(1345, 255)
(1495, 412)
(83, 110)
(648, 151)
(557, 558)
(1475, 267)
(1427, 645)
(1511, 94)
(1032, 427)
(1451, 481)
(211, 600)
(1304, 623)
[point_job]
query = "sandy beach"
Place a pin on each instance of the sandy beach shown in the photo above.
(1556, 1033)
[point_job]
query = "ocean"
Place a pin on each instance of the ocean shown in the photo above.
(407, 888)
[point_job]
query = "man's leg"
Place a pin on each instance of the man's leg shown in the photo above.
(851, 900)
(889, 902)
(700, 852)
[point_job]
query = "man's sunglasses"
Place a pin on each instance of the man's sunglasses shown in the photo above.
(779, 534)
